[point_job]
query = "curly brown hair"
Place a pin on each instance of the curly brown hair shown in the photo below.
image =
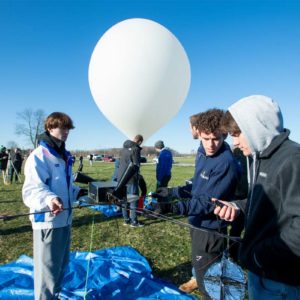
(210, 121)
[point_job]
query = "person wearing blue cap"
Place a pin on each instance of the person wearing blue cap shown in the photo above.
(163, 171)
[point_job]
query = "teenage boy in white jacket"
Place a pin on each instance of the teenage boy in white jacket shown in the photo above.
(48, 187)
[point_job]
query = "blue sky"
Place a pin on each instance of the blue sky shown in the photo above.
(235, 48)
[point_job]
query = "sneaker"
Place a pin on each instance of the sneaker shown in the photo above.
(136, 224)
(189, 286)
(126, 222)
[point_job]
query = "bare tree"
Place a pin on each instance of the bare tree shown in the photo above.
(12, 145)
(32, 124)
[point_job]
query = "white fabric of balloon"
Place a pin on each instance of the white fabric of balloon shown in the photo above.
(139, 76)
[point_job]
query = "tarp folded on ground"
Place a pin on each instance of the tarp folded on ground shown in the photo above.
(113, 273)
(108, 210)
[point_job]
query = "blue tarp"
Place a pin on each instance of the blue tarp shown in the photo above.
(108, 210)
(118, 273)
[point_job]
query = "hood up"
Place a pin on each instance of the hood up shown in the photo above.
(130, 144)
(260, 120)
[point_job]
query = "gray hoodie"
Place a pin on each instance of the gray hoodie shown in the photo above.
(271, 243)
(260, 120)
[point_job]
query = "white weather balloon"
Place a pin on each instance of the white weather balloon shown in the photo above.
(139, 76)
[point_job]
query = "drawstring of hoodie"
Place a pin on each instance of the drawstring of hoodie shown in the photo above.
(251, 180)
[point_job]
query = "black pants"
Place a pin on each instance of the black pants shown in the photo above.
(237, 227)
(80, 167)
(162, 206)
(16, 171)
(207, 248)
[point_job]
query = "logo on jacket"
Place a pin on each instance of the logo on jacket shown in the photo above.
(206, 177)
(262, 174)
(56, 165)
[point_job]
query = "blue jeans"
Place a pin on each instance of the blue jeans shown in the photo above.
(260, 288)
(134, 190)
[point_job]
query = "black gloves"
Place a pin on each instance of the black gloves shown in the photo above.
(163, 192)
(82, 192)
(167, 207)
(175, 209)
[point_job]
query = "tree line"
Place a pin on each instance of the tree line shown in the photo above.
(31, 124)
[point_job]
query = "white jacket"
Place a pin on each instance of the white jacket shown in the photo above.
(48, 176)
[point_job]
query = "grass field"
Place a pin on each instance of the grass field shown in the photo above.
(165, 245)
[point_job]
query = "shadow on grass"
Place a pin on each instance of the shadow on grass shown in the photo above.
(151, 221)
(87, 219)
(177, 275)
(7, 201)
(6, 190)
(77, 222)
(16, 230)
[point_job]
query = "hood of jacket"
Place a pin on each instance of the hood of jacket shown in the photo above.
(260, 120)
(56, 144)
(130, 144)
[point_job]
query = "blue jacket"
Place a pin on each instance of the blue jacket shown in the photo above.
(215, 177)
(164, 165)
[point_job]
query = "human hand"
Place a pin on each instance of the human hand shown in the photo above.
(56, 206)
(225, 210)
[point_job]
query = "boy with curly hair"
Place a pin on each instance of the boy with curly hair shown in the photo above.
(216, 173)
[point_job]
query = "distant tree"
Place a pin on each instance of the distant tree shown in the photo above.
(12, 145)
(31, 124)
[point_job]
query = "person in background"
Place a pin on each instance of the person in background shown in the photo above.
(163, 172)
(9, 165)
(116, 170)
(3, 163)
(216, 173)
(270, 250)
(49, 192)
(91, 159)
(80, 166)
(131, 154)
(192, 285)
(194, 121)
(16, 165)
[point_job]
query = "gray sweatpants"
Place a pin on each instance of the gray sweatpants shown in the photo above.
(51, 249)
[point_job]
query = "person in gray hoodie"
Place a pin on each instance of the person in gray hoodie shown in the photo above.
(271, 245)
